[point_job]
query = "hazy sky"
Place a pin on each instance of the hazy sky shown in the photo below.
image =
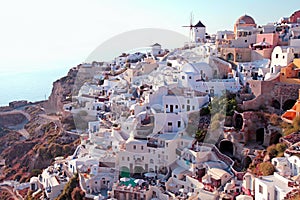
(63, 33)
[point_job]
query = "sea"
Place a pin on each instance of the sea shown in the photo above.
(28, 84)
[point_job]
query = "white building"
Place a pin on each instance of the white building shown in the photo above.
(199, 32)
(282, 166)
(271, 187)
(53, 181)
(223, 35)
(294, 164)
(156, 49)
(283, 55)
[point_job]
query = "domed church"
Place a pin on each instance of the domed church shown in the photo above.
(244, 22)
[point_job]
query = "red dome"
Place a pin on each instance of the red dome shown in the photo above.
(245, 20)
(295, 17)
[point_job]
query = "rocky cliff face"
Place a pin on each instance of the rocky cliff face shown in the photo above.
(61, 92)
(46, 136)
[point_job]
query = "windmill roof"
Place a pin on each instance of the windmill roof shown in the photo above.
(156, 44)
(199, 24)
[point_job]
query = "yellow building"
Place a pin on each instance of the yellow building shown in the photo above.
(291, 73)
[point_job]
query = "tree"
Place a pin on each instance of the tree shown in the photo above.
(200, 135)
(77, 194)
(291, 128)
(68, 189)
(272, 151)
(266, 168)
(224, 104)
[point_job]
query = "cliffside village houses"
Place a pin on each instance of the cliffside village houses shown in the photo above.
(141, 142)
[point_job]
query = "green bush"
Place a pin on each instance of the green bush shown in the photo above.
(281, 147)
(272, 151)
(266, 168)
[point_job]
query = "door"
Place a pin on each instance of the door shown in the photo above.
(171, 108)
(169, 126)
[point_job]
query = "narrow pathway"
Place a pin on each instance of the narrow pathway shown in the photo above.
(12, 194)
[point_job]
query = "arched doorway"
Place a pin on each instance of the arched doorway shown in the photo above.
(138, 172)
(230, 57)
(226, 147)
(124, 172)
(275, 104)
(260, 135)
(288, 104)
(238, 121)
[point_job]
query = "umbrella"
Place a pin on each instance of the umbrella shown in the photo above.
(125, 179)
(172, 184)
(190, 194)
(181, 190)
(261, 44)
(150, 175)
(139, 181)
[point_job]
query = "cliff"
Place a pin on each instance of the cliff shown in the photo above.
(61, 92)
(32, 137)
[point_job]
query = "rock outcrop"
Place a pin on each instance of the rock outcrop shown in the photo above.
(61, 92)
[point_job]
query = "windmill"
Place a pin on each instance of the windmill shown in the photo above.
(191, 26)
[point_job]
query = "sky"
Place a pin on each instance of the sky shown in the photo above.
(38, 34)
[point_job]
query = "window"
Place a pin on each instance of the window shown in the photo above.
(167, 106)
(260, 189)
(193, 107)
(179, 124)
(182, 106)
(142, 147)
(122, 158)
(188, 101)
(134, 146)
(128, 159)
(283, 57)
(176, 106)
(151, 161)
(190, 77)
(246, 41)
(182, 77)
(276, 55)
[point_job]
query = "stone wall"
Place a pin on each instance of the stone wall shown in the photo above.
(268, 91)
(223, 67)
